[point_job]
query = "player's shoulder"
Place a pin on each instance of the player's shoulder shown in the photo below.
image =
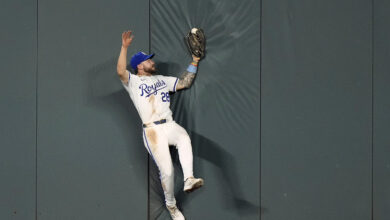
(130, 73)
(131, 79)
(157, 75)
(135, 76)
(164, 77)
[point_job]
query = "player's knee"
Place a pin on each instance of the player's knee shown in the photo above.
(184, 140)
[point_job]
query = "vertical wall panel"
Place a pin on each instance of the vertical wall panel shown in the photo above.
(221, 111)
(91, 159)
(316, 110)
(18, 45)
(381, 110)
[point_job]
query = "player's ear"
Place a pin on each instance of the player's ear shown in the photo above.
(140, 66)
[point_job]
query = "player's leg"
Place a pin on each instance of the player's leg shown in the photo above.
(179, 137)
(156, 143)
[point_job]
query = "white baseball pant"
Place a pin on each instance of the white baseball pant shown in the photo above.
(157, 140)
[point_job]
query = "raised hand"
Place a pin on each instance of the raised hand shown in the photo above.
(127, 38)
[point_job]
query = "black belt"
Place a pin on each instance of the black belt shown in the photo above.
(162, 121)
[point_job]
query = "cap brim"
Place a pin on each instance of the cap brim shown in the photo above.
(150, 56)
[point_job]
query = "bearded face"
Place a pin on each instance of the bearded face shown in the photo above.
(149, 66)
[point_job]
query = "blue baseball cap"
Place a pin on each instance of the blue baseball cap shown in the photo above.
(139, 58)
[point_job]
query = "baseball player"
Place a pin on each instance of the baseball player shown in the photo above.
(150, 95)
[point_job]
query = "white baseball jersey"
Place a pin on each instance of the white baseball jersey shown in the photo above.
(150, 95)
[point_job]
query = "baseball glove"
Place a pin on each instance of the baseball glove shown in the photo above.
(196, 42)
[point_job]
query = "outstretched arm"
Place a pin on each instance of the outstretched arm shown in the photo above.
(185, 80)
(127, 38)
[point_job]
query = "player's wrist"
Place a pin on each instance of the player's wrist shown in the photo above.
(193, 67)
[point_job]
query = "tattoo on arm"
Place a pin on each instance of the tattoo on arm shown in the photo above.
(185, 80)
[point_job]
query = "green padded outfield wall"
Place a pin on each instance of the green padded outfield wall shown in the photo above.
(221, 111)
(18, 57)
(316, 110)
(91, 159)
(381, 57)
